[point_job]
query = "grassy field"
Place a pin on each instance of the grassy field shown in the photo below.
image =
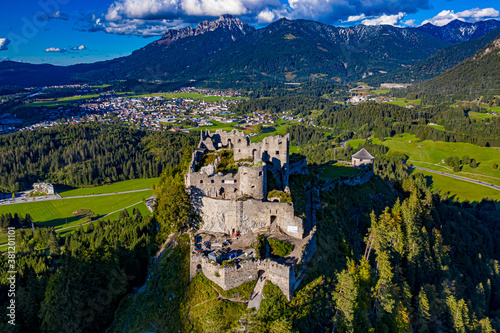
(461, 190)
(194, 96)
(477, 115)
(63, 100)
(428, 154)
(438, 127)
(335, 171)
(355, 143)
(217, 125)
(127, 185)
(404, 102)
(270, 131)
(59, 213)
(101, 86)
(379, 91)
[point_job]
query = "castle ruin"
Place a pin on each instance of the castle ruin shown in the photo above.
(228, 182)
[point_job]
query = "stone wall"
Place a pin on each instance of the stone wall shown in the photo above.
(251, 181)
(273, 149)
(232, 276)
(227, 216)
(299, 167)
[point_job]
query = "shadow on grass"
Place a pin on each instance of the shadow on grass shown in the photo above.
(61, 188)
(268, 130)
(59, 222)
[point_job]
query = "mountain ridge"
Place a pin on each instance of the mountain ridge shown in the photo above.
(284, 50)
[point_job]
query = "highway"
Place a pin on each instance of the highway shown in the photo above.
(458, 177)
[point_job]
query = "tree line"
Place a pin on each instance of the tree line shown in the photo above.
(86, 154)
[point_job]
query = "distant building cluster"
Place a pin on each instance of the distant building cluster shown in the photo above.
(46, 188)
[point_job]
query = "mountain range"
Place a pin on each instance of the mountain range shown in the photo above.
(476, 76)
(298, 50)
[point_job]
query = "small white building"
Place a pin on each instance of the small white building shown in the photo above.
(44, 188)
(362, 157)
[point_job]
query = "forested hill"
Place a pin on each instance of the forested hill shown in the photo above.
(478, 75)
(439, 62)
(87, 154)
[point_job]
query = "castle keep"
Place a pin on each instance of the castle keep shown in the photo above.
(228, 182)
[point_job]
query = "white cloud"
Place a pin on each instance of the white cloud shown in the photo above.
(265, 16)
(356, 18)
(385, 19)
(470, 15)
(154, 17)
(55, 49)
(3, 44)
(409, 23)
(79, 48)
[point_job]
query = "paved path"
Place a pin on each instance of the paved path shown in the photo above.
(344, 142)
(458, 177)
(257, 295)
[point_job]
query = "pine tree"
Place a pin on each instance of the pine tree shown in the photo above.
(55, 250)
(423, 313)
(345, 300)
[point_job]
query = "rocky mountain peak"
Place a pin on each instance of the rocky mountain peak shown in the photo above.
(231, 25)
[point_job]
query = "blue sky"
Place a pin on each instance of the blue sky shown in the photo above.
(66, 32)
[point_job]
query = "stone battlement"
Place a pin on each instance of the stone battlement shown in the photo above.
(233, 275)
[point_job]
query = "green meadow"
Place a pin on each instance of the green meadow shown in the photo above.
(404, 102)
(334, 171)
(127, 185)
(194, 96)
(429, 154)
(461, 190)
(270, 131)
(438, 127)
(59, 213)
(477, 115)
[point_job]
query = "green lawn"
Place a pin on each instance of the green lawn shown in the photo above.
(334, 171)
(438, 127)
(355, 143)
(59, 213)
(461, 190)
(63, 100)
(270, 131)
(430, 154)
(101, 86)
(127, 185)
(379, 91)
(194, 96)
(404, 102)
(477, 115)
(217, 125)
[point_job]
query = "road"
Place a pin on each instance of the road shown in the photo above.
(58, 197)
(458, 177)
(344, 142)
